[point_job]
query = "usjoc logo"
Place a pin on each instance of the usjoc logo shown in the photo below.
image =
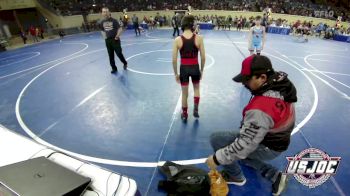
(312, 167)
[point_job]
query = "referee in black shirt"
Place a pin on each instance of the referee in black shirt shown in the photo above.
(111, 30)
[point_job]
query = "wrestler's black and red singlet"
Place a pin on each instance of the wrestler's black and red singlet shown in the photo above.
(189, 61)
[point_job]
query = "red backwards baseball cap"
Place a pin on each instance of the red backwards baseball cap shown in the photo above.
(253, 65)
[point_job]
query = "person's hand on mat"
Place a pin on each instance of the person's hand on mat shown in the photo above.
(210, 162)
(177, 78)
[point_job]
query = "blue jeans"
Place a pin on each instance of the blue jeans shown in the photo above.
(255, 159)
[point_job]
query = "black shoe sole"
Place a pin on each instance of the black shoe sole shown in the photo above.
(282, 185)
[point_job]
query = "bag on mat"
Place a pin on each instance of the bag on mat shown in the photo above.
(218, 185)
(184, 180)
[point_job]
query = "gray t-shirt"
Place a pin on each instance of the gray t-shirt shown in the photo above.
(135, 19)
(110, 26)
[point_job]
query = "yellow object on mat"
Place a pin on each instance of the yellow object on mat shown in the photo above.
(218, 185)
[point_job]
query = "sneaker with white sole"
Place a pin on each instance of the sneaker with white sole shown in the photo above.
(280, 184)
(233, 180)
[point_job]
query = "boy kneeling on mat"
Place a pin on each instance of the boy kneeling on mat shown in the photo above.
(266, 127)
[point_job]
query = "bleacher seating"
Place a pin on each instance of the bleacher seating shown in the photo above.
(297, 7)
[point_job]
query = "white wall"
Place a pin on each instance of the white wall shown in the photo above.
(16, 4)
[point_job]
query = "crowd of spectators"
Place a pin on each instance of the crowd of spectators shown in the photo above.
(152, 22)
(35, 33)
(239, 23)
(294, 7)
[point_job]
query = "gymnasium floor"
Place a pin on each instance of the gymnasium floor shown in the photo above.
(61, 93)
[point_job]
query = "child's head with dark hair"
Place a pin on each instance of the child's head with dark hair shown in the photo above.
(258, 20)
(187, 22)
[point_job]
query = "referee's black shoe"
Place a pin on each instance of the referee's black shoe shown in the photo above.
(125, 66)
(114, 71)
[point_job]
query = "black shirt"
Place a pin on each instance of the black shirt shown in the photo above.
(110, 26)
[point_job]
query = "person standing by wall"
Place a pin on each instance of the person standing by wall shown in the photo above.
(37, 32)
(175, 21)
(135, 21)
(125, 19)
(41, 32)
(23, 36)
(32, 32)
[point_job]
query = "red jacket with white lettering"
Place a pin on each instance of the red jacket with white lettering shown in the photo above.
(268, 120)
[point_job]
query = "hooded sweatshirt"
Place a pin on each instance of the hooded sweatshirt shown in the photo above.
(268, 120)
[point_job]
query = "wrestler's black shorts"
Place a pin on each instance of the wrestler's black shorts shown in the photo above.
(187, 71)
